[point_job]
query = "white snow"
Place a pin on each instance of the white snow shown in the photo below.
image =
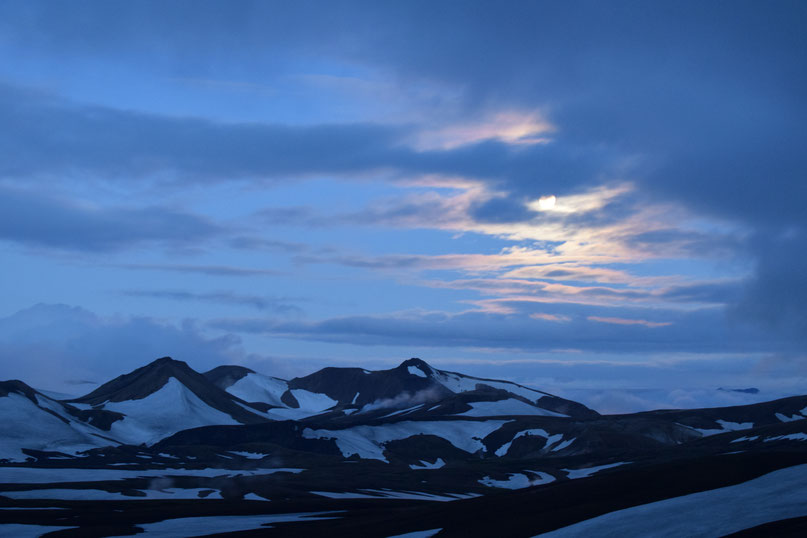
(198, 526)
(18, 530)
(249, 455)
(259, 388)
(426, 465)
(519, 480)
(725, 426)
(461, 383)
(170, 409)
(778, 495)
(368, 441)
(389, 494)
(785, 418)
(403, 411)
(27, 425)
(414, 370)
(313, 402)
(356, 397)
(418, 534)
(789, 437)
(41, 475)
(552, 440)
(101, 495)
(588, 471)
(507, 407)
(502, 450)
(564, 444)
(741, 439)
(254, 497)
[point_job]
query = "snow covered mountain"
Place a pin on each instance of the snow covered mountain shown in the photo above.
(33, 422)
(163, 398)
(411, 385)
(352, 441)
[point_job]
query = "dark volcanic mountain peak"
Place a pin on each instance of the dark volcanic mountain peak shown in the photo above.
(360, 387)
(225, 376)
(18, 387)
(142, 382)
(419, 364)
(149, 379)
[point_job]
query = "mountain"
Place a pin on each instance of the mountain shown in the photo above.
(162, 398)
(33, 422)
(388, 452)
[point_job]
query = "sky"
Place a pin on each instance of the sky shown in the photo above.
(604, 200)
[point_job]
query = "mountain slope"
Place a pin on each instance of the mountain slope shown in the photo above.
(415, 382)
(164, 397)
(32, 421)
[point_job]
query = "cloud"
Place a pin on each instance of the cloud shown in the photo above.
(623, 321)
(49, 344)
(34, 219)
(700, 108)
(278, 305)
(212, 270)
(127, 145)
(703, 330)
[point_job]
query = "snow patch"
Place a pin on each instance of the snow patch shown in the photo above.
(785, 418)
(775, 496)
(171, 409)
(511, 406)
(426, 465)
(41, 475)
(519, 480)
(18, 530)
(414, 370)
(725, 426)
(313, 402)
(461, 383)
(418, 534)
(249, 455)
(198, 526)
(368, 441)
(28, 425)
(255, 387)
(564, 444)
(789, 437)
(502, 450)
(588, 471)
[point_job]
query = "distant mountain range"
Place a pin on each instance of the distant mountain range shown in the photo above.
(345, 436)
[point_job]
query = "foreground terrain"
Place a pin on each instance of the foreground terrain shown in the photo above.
(166, 451)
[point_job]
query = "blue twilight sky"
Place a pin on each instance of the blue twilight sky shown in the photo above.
(602, 199)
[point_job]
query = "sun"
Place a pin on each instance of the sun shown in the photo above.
(546, 203)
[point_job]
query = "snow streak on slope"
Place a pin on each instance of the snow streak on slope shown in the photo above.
(588, 471)
(778, 495)
(725, 426)
(461, 383)
(511, 406)
(414, 370)
(171, 409)
(519, 480)
(259, 388)
(368, 441)
(502, 450)
(27, 425)
(313, 402)
(439, 463)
